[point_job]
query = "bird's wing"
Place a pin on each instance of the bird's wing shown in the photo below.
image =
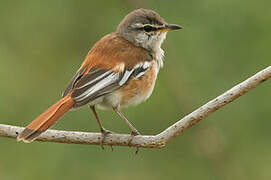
(99, 82)
(108, 66)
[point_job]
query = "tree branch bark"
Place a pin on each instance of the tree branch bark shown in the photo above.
(152, 141)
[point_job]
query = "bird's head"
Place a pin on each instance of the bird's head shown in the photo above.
(145, 28)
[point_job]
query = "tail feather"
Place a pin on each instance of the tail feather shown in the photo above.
(46, 119)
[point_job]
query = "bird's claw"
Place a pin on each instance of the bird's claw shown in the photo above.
(133, 134)
(104, 132)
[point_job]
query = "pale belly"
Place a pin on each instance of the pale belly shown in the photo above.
(134, 92)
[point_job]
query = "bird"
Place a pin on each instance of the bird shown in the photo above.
(119, 71)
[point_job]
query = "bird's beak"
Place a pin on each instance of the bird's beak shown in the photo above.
(169, 27)
(173, 27)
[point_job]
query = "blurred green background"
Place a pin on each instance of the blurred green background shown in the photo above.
(42, 44)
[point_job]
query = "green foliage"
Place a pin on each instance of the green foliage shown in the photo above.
(42, 43)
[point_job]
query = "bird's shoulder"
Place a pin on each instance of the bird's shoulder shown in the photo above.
(114, 52)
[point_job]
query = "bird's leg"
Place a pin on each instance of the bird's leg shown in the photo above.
(102, 129)
(134, 131)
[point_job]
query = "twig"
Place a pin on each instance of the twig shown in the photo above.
(145, 141)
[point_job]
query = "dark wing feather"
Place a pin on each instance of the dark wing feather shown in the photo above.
(100, 82)
(73, 81)
(94, 85)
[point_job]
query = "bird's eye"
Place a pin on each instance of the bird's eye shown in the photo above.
(148, 28)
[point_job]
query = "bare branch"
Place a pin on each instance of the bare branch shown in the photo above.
(156, 141)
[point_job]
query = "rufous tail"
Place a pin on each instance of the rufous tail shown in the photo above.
(46, 119)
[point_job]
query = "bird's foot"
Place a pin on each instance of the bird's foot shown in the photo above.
(133, 134)
(104, 132)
